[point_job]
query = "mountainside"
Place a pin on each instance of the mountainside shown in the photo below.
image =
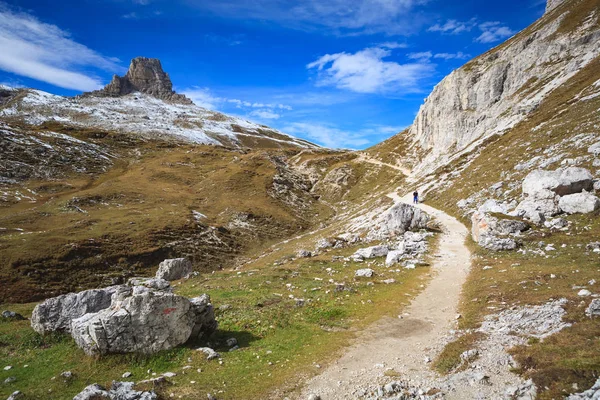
(496, 91)
(141, 103)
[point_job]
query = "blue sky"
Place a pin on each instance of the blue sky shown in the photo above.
(341, 73)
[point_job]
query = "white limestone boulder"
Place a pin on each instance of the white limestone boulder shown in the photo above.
(174, 269)
(56, 313)
(563, 181)
(396, 220)
(579, 203)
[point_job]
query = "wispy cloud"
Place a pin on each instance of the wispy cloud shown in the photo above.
(233, 40)
(493, 32)
(341, 16)
(449, 56)
(423, 55)
(265, 114)
(366, 72)
(202, 97)
(331, 136)
(45, 52)
(453, 27)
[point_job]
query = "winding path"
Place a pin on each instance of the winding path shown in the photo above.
(404, 344)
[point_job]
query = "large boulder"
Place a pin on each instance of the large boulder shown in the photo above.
(485, 225)
(56, 313)
(174, 269)
(394, 257)
(396, 220)
(563, 181)
(147, 322)
(581, 203)
(204, 317)
(371, 252)
(538, 206)
(118, 391)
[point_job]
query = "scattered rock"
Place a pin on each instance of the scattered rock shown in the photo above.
(174, 269)
(364, 273)
(584, 293)
(593, 309)
(15, 395)
(581, 203)
(592, 393)
(485, 230)
(469, 355)
(204, 317)
(595, 149)
(323, 244)
(118, 391)
(10, 379)
(314, 397)
(394, 257)
(127, 375)
(210, 353)
(67, 375)
(556, 223)
(396, 220)
(56, 313)
(303, 254)
(12, 315)
(371, 252)
(231, 342)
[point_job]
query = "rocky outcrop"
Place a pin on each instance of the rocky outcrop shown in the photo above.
(370, 252)
(118, 391)
(396, 220)
(497, 90)
(552, 4)
(145, 75)
(145, 321)
(174, 269)
(55, 314)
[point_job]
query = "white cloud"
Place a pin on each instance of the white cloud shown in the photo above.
(264, 114)
(449, 56)
(46, 53)
(366, 72)
(423, 56)
(453, 26)
(331, 136)
(202, 97)
(355, 17)
(493, 32)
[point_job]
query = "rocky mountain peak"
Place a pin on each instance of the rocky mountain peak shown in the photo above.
(145, 75)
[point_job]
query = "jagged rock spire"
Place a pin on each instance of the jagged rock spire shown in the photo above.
(145, 75)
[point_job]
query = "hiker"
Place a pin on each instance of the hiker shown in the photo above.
(416, 197)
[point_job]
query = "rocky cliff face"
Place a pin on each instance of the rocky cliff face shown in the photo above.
(145, 75)
(496, 91)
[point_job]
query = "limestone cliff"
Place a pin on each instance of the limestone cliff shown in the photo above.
(497, 90)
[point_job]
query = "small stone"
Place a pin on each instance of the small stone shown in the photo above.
(231, 342)
(67, 375)
(10, 379)
(584, 293)
(127, 375)
(169, 374)
(210, 353)
(15, 395)
(8, 367)
(314, 397)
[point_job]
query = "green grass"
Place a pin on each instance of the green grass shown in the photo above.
(280, 341)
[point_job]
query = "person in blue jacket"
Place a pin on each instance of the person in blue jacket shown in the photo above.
(416, 197)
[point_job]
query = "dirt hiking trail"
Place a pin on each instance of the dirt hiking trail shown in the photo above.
(404, 344)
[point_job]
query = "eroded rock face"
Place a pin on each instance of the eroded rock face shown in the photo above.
(142, 323)
(204, 317)
(579, 203)
(145, 75)
(174, 269)
(55, 314)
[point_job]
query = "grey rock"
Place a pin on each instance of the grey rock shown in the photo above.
(372, 252)
(66, 375)
(593, 309)
(595, 149)
(394, 257)
(231, 342)
(12, 315)
(536, 207)
(141, 323)
(396, 220)
(303, 254)
(118, 391)
(10, 379)
(210, 353)
(556, 223)
(142, 285)
(15, 395)
(469, 355)
(581, 203)
(364, 273)
(524, 391)
(145, 75)
(204, 317)
(56, 313)
(323, 244)
(591, 393)
(174, 269)
(314, 397)
(489, 232)
(593, 246)
(562, 181)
